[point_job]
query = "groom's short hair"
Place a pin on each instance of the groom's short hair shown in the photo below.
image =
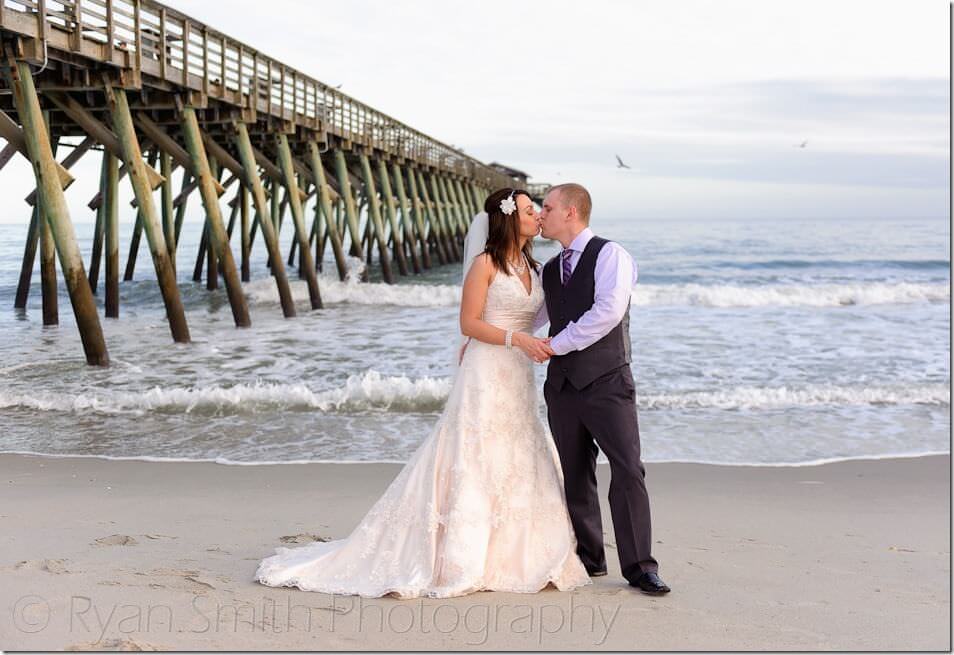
(575, 195)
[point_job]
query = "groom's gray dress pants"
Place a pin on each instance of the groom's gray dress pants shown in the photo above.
(603, 413)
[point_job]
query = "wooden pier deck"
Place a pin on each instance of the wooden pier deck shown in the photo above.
(153, 91)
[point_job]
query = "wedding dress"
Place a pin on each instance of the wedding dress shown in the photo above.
(478, 506)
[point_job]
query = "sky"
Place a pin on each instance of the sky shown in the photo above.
(705, 101)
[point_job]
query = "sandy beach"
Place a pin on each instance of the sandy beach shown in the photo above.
(105, 554)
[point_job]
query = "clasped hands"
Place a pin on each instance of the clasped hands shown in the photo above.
(538, 350)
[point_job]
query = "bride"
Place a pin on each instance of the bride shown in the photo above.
(480, 504)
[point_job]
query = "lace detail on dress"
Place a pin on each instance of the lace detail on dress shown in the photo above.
(480, 503)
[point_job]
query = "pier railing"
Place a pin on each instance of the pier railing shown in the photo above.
(155, 40)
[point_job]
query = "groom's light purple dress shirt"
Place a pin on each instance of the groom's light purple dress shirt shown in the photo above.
(616, 274)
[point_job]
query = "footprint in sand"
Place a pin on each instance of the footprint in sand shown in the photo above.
(116, 540)
(49, 565)
(125, 645)
(180, 579)
(302, 538)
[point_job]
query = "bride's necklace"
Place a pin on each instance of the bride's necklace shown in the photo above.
(520, 268)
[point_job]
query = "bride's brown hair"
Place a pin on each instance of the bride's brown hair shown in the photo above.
(503, 232)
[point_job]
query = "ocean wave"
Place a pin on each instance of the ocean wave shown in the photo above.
(716, 295)
(351, 291)
(372, 391)
(787, 295)
(908, 264)
(807, 396)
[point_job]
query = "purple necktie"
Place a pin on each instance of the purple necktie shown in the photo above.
(566, 254)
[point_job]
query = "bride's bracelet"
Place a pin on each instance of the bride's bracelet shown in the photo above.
(508, 340)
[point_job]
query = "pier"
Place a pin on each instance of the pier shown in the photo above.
(153, 91)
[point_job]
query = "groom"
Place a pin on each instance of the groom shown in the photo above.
(589, 388)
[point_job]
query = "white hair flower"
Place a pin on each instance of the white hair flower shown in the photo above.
(508, 205)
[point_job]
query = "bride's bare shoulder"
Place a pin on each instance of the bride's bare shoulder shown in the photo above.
(486, 263)
(483, 267)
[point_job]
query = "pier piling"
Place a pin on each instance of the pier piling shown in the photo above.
(54, 213)
(204, 103)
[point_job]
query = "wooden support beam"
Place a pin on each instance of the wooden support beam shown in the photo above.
(319, 233)
(298, 216)
(168, 221)
(233, 213)
(29, 259)
(293, 250)
(224, 157)
(136, 235)
(98, 232)
(55, 211)
(451, 215)
(189, 184)
(436, 215)
(390, 209)
(93, 127)
(306, 172)
(266, 189)
(351, 214)
(464, 202)
(132, 156)
(277, 207)
(7, 154)
(324, 205)
(74, 156)
(247, 157)
(457, 204)
(425, 213)
(180, 212)
(409, 223)
(476, 195)
(451, 218)
(210, 199)
(246, 241)
(374, 218)
(272, 170)
(168, 145)
(97, 199)
(200, 258)
(205, 255)
(51, 313)
(111, 205)
(10, 131)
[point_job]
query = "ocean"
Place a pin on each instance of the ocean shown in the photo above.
(754, 342)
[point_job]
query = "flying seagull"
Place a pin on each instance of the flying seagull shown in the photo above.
(619, 163)
(801, 145)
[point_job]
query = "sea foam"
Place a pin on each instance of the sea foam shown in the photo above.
(699, 295)
(372, 391)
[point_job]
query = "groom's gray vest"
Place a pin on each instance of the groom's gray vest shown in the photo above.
(568, 303)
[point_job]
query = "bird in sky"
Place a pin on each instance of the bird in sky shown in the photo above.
(619, 163)
(801, 145)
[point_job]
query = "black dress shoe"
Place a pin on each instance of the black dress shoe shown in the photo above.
(596, 573)
(650, 583)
